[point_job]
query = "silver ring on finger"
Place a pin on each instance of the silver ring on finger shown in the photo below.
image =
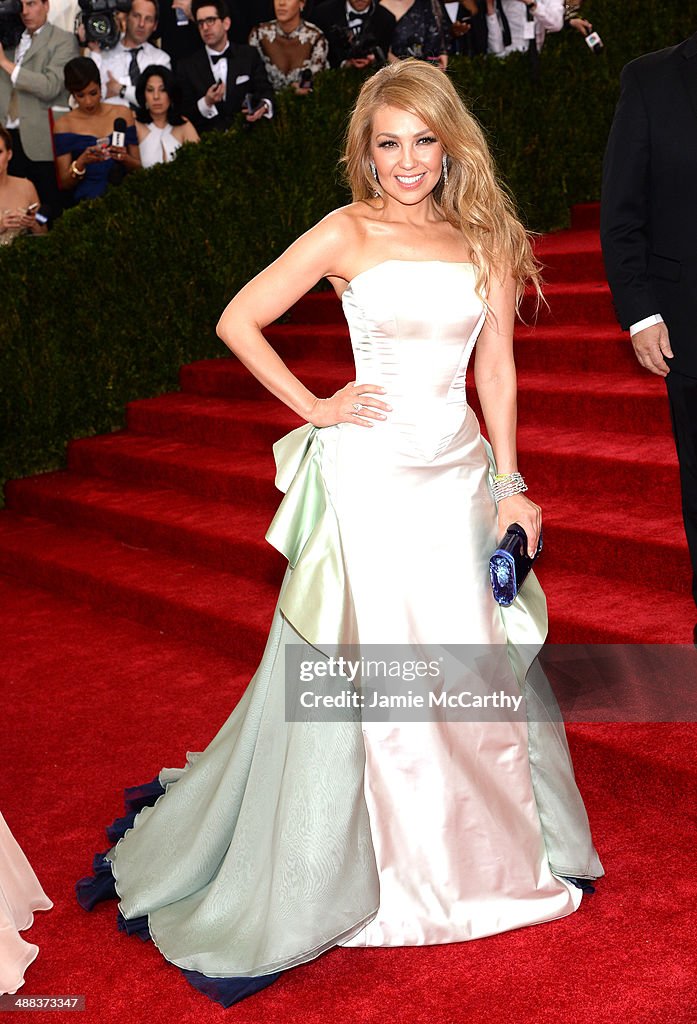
(357, 406)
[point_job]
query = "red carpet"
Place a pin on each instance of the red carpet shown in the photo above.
(165, 522)
(156, 589)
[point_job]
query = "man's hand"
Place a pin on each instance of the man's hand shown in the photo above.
(113, 86)
(581, 25)
(460, 28)
(650, 346)
(251, 118)
(360, 62)
(215, 95)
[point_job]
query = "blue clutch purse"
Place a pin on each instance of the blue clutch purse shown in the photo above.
(510, 564)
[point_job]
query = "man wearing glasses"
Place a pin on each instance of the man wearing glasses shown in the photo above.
(222, 78)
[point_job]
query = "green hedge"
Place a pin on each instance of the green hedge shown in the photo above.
(128, 288)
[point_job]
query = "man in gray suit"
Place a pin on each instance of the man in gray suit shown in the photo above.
(31, 81)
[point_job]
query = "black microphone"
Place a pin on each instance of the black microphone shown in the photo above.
(118, 136)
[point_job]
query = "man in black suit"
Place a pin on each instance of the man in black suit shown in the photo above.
(648, 232)
(358, 31)
(216, 79)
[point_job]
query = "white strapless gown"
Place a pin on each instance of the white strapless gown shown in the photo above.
(283, 839)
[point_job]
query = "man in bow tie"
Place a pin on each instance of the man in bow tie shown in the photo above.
(519, 25)
(121, 66)
(218, 80)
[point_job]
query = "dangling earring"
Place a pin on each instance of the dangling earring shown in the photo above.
(374, 172)
(445, 169)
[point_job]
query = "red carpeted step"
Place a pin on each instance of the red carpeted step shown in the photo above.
(176, 595)
(570, 256)
(594, 609)
(635, 405)
(585, 216)
(229, 378)
(247, 425)
(245, 478)
(328, 341)
(647, 546)
(569, 461)
(574, 349)
(578, 303)
(217, 534)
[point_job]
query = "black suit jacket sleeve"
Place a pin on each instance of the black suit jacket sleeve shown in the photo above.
(624, 218)
(195, 78)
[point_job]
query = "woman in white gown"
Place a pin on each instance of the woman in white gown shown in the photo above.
(285, 838)
(20, 896)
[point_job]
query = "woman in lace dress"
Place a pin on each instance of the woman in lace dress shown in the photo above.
(290, 46)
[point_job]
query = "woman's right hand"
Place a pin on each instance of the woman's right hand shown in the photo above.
(10, 220)
(92, 155)
(340, 408)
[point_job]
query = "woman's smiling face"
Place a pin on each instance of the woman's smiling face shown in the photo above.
(408, 156)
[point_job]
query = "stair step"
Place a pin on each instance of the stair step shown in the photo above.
(213, 533)
(585, 216)
(585, 608)
(175, 595)
(245, 425)
(245, 478)
(623, 465)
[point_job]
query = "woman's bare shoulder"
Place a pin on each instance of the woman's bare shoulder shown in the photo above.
(350, 222)
(63, 124)
(125, 112)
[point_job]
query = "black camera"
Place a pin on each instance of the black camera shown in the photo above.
(11, 24)
(365, 45)
(99, 20)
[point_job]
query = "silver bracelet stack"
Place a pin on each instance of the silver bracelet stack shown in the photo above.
(505, 485)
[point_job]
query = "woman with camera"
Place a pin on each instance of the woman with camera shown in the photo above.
(19, 200)
(160, 125)
(88, 158)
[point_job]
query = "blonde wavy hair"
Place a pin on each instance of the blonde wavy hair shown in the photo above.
(473, 200)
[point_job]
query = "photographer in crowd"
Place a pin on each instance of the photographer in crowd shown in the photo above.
(358, 31)
(222, 79)
(31, 81)
(88, 157)
(293, 50)
(19, 200)
(519, 25)
(121, 66)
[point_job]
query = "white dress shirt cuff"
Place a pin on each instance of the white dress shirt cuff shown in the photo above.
(206, 111)
(649, 321)
(15, 72)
